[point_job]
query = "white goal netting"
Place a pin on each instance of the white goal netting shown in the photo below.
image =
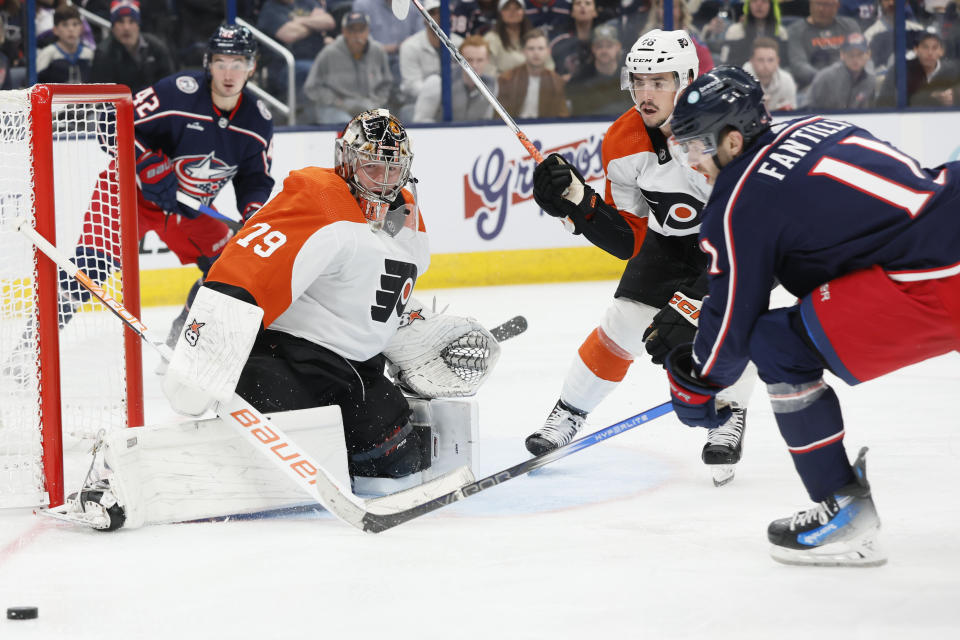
(91, 359)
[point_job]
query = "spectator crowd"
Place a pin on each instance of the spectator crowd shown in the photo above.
(541, 58)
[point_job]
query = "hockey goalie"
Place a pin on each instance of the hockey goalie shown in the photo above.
(309, 316)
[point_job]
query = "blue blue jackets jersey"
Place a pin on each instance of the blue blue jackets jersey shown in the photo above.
(816, 199)
(208, 148)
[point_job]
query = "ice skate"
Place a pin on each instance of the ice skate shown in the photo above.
(97, 507)
(840, 531)
(724, 447)
(561, 426)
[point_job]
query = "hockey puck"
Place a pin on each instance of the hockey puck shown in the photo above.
(22, 613)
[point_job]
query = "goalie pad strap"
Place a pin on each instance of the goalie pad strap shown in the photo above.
(381, 449)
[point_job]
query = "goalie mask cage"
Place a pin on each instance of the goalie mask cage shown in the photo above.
(68, 368)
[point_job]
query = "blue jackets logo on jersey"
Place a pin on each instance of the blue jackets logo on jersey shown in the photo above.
(203, 176)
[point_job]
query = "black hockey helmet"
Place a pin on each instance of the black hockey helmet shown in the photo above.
(231, 40)
(724, 97)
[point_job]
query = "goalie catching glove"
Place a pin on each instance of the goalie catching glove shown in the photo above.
(437, 355)
(211, 351)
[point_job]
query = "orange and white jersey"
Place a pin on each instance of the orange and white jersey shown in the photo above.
(318, 271)
(647, 174)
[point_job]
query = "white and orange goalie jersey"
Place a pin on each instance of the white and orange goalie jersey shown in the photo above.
(313, 264)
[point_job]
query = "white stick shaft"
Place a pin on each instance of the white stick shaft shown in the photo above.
(481, 86)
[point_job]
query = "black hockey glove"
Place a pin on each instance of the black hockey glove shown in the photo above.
(673, 325)
(562, 192)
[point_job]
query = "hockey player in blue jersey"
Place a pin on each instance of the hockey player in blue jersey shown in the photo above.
(868, 241)
(195, 132)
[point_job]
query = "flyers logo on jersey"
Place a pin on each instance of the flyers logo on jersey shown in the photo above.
(192, 333)
(396, 287)
(676, 211)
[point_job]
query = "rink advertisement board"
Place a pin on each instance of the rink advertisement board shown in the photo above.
(475, 183)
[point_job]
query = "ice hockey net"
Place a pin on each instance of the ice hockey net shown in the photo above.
(67, 367)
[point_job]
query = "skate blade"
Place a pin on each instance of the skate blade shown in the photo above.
(722, 473)
(858, 552)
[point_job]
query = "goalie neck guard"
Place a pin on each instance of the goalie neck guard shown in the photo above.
(374, 156)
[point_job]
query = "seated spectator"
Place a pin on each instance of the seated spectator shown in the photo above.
(68, 59)
(350, 75)
(845, 84)
(129, 56)
(419, 59)
(472, 17)
(467, 103)
(506, 37)
(932, 81)
(532, 90)
(815, 41)
(571, 49)
(632, 17)
(863, 11)
(386, 30)
(779, 89)
(682, 19)
(761, 18)
(595, 90)
(550, 16)
(43, 22)
(198, 19)
(880, 36)
(303, 27)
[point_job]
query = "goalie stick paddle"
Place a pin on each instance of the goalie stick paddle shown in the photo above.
(509, 329)
(377, 523)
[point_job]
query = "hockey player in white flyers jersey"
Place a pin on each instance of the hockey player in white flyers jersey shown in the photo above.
(650, 215)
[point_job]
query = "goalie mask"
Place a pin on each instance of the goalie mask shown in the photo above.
(659, 51)
(374, 156)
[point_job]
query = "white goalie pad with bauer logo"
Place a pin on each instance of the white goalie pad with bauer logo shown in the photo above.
(438, 355)
(203, 469)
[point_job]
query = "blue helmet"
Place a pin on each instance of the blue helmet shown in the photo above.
(724, 97)
(231, 40)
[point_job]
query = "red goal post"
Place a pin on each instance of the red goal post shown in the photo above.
(67, 367)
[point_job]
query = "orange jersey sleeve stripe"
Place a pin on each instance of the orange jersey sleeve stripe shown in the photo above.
(626, 136)
(311, 199)
(604, 358)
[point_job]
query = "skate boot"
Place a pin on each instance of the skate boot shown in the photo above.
(97, 507)
(724, 447)
(563, 423)
(840, 531)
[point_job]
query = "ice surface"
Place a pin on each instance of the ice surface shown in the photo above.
(626, 539)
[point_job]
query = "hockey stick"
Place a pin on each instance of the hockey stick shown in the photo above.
(400, 9)
(233, 222)
(256, 429)
(509, 329)
(377, 523)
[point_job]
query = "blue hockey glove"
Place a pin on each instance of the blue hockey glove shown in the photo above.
(158, 180)
(694, 400)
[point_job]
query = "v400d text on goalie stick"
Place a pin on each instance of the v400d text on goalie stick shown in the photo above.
(258, 431)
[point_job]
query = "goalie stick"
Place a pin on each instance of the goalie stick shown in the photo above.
(258, 431)
(377, 523)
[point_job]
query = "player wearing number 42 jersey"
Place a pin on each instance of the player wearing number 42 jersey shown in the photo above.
(649, 214)
(868, 241)
(306, 304)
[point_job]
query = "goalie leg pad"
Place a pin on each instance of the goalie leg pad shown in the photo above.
(211, 351)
